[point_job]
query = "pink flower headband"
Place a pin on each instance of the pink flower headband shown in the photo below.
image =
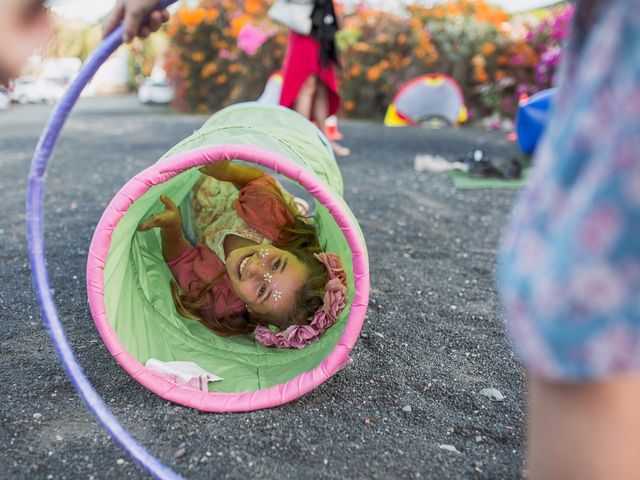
(335, 298)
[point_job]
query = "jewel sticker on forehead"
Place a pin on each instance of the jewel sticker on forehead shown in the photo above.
(263, 253)
(267, 277)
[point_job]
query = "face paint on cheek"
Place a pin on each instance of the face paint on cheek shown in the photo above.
(276, 295)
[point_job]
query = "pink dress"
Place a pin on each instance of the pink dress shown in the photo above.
(260, 206)
(302, 60)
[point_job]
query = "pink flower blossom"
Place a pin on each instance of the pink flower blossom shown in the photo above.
(299, 336)
(321, 320)
(264, 335)
(334, 297)
(333, 264)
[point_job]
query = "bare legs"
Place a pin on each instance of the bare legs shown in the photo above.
(313, 103)
(304, 101)
(588, 431)
(321, 105)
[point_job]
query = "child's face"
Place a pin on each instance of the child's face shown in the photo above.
(266, 278)
(24, 26)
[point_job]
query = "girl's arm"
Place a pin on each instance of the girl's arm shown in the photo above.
(226, 171)
(173, 244)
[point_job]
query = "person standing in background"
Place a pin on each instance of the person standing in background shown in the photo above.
(309, 83)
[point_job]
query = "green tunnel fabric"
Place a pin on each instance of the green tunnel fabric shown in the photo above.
(137, 294)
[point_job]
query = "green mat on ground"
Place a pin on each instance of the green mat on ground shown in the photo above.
(463, 180)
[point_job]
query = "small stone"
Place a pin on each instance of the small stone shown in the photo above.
(449, 448)
(37, 416)
(493, 394)
(181, 452)
(478, 438)
(58, 438)
(120, 461)
(367, 421)
(378, 334)
(406, 409)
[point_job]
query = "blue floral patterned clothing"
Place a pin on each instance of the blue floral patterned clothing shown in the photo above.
(569, 267)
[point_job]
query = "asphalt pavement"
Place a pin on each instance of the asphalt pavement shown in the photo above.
(408, 407)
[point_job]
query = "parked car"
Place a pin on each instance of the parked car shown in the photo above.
(154, 90)
(52, 88)
(57, 74)
(38, 89)
(25, 90)
(5, 99)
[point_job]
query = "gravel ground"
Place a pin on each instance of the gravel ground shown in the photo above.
(432, 341)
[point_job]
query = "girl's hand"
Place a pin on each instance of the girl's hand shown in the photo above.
(218, 170)
(226, 171)
(132, 13)
(167, 220)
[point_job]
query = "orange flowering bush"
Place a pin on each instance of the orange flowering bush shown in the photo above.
(470, 40)
(468, 36)
(525, 64)
(494, 66)
(379, 52)
(204, 61)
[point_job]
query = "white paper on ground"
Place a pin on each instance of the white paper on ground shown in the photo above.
(436, 164)
(183, 374)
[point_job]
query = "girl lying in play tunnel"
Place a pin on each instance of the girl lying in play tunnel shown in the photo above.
(257, 265)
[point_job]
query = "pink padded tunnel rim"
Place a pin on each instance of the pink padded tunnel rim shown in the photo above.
(216, 401)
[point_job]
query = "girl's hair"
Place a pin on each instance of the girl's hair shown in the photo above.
(301, 240)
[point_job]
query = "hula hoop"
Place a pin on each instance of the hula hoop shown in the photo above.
(157, 174)
(39, 273)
